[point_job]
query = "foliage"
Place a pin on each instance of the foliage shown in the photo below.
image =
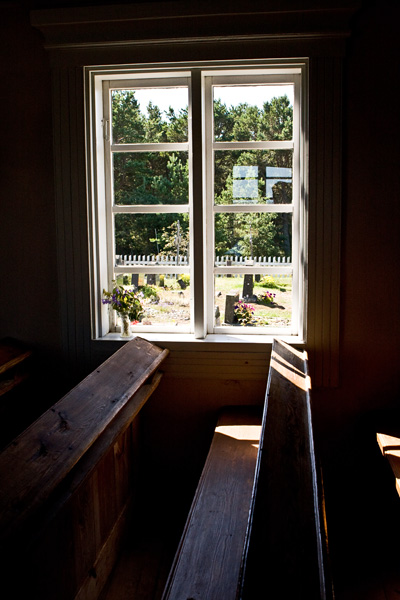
(124, 301)
(149, 291)
(174, 238)
(267, 298)
(152, 178)
(244, 313)
(269, 282)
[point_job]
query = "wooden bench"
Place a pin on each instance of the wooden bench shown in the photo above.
(207, 563)
(14, 364)
(390, 448)
(255, 528)
(67, 482)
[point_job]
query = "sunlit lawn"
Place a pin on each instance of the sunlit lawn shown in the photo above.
(279, 314)
(173, 304)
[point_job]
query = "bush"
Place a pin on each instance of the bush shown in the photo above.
(267, 298)
(149, 291)
(269, 282)
(244, 313)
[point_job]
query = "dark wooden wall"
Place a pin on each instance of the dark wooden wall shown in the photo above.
(369, 285)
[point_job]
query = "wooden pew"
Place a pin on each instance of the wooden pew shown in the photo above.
(286, 552)
(14, 364)
(254, 529)
(208, 560)
(67, 482)
(390, 448)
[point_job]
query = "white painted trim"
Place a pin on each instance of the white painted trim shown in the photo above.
(203, 287)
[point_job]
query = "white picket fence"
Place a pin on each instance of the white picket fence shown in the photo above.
(220, 261)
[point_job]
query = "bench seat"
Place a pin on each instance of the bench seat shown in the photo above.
(208, 560)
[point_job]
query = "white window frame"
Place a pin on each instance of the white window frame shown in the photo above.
(296, 208)
(202, 268)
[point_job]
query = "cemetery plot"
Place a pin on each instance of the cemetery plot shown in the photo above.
(247, 300)
(166, 298)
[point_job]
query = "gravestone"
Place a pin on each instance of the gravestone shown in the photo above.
(230, 301)
(135, 280)
(247, 286)
(182, 284)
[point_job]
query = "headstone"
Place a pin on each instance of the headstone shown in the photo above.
(247, 286)
(151, 279)
(135, 280)
(230, 301)
(217, 316)
(182, 284)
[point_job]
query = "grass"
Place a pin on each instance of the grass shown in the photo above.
(279, 314)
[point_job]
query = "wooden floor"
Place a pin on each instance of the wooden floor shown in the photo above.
(144, 564)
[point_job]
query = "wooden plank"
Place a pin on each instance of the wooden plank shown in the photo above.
(13, 367)
(11, 354)
(99, 573)
(45, 453)
(284, 553)
(207, 563)
(103, 450)
(390, 448)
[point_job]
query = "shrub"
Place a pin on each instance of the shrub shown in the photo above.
(267, 298)
(149, 292)
(269, 281)
(244, 313)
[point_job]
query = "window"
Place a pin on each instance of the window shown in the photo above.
(198, 193)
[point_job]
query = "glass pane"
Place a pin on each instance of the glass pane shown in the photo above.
(145, 237)
(253, 177)
(151, 178)
(149, 115)
(253, 112)
(253, 235)
(165, 298)
(253, 300)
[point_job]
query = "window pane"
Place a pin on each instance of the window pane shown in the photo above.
(151, 235)
(253, 300)
(165, 298)
(149, 115)
(253, 177)
(253, 113)
(253, 235)
(150, 178)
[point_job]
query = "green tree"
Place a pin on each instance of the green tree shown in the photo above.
(128, 123)
(162, 178)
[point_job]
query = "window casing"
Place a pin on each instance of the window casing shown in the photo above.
(203, 208)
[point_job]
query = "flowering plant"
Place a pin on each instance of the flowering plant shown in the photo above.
(267, 297)
(244, 313)
(125, 302)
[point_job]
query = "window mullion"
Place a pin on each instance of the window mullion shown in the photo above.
(208, 202)
(196, 193)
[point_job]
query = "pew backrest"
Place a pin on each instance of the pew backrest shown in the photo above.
(286, 547)
(66, 481)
